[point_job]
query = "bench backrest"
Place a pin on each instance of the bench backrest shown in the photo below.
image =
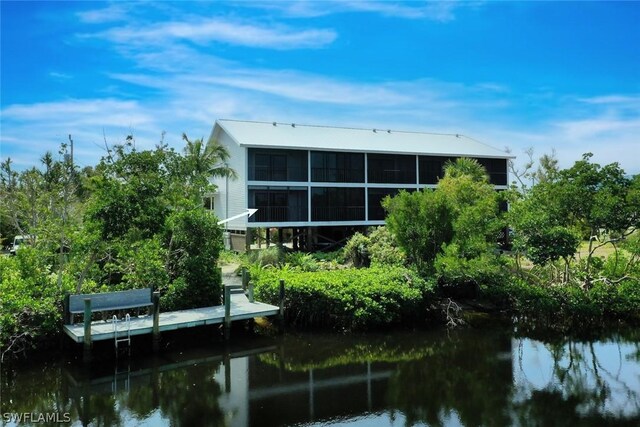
(112, 300)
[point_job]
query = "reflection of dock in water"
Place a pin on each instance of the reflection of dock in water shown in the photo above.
(291, 382)
(241, 385)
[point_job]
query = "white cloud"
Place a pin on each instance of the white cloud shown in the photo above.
(59, 76)
(29, 130)
(442, 11)
(111, 13)
(203, 31)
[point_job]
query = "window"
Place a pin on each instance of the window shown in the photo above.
(431, 168)
(337, 204)
(277, 165)
(376, 195)
(208, 202)
(278, 204)
(497, 170)
(391, 169)
(337, 167)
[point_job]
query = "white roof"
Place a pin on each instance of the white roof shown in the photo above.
(297, 136)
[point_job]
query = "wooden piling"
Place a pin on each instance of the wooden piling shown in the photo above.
(245, 278)
(87, 330)
(156, 321)
(67, 315)
(227, 312)
(250, 291)
(281, 313)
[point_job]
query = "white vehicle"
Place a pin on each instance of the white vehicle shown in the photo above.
(20, 241)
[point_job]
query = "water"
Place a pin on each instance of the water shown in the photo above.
(475, 377)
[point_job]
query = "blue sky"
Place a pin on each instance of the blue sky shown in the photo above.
(561, 75)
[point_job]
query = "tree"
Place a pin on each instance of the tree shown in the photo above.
(598, 203)
(445, 229)
(201, 162)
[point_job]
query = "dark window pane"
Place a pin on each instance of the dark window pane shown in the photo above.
(337, 204)
(277, 165)
(337, 167)
(376, 195)
(391, 168)
(278, 204)
(431, 168)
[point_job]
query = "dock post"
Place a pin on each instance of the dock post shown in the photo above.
(227, 312)
(67, 315)
(250, 289)
(87, 329)
(281, 314)
(245, 278)
(156, 321)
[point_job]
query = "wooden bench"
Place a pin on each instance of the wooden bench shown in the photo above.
(109, 301)
(87, 304)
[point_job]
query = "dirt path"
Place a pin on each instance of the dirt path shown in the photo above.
(229, 277)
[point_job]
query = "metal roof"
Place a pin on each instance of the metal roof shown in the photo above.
(298, 136)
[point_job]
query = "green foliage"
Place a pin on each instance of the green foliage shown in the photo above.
(271, 256)
(347, 299)
(378, 248)
(31, 301)
(421, 224)
(460, 276)
(357, 250)
(133, 221)
(452, 230)
(336, 256)
(302, 261)
(383, 248)
(569, 306)
(194, 241)
(599, 202)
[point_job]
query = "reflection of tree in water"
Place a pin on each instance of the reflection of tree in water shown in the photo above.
(581, 390)
(471, 376)
(189, 396)
(34, 391)
(186, 397)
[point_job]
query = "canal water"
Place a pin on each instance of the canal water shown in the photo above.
(470, 377)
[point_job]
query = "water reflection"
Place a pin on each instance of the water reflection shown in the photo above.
(470, 378)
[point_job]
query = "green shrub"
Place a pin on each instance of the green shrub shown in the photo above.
(31, 302)
(357, 250)
(195, 242)
(569, 306)
(347, 299)
(335, 257)
(384, 249)
(273, 256)
(462, 277)
(302, 261)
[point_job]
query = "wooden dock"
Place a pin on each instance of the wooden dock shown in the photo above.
(241, 309)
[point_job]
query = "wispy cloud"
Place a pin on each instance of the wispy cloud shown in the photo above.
(59, 76)
(437, 11)
(204, 31)
(112, 13)
(442, 11)
(45, 125)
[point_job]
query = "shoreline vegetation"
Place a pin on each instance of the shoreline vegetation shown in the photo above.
(137, 220)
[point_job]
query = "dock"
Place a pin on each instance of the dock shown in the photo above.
(241, 309)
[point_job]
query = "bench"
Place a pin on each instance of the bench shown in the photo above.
(109, 301)
(87, 304)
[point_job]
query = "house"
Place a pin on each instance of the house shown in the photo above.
(320, 183)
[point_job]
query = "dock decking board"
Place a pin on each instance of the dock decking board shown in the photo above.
(241, 309)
